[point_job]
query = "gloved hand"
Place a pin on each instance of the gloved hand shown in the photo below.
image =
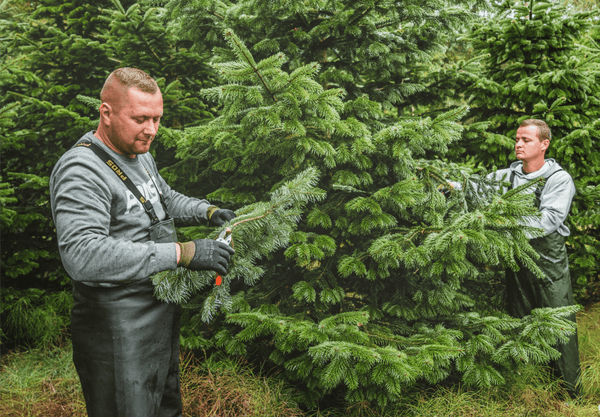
(220, 216)
(205, 254)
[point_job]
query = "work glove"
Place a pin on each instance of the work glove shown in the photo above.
(205, 254)
(218, 216)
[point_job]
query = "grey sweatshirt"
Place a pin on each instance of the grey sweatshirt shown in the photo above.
(102, 228)
(556, 198)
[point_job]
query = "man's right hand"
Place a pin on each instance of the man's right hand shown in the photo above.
(206, 254)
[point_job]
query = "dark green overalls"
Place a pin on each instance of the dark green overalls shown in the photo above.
(526, 292)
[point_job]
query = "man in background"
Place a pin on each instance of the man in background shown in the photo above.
(525, 291)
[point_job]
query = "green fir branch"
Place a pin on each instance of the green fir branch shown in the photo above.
(274, 221)
(241, 49)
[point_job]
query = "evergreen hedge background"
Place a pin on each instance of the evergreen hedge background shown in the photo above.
(381, 283)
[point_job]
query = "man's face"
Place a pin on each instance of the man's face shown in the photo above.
(528, 146)
(134, 121)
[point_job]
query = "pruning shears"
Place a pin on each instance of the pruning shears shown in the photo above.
(225, 237)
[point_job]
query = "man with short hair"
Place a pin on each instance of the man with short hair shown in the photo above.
(525, 291)
(114, 217)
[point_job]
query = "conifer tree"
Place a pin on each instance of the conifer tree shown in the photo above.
(538, 61)
(386, 282)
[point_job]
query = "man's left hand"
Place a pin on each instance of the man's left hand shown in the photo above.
(220, 216)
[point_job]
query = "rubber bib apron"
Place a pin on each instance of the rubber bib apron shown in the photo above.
(525, 292)
(126, 351)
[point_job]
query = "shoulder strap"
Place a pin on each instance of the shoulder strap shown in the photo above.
(162, 198)
(558, 170)
(540, 188)
(121, 174)
(512, 179)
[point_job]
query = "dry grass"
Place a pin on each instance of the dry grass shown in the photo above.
(40, 383)
(533, 393)
(230, 389)
(45, 384)
(588, 323)
(55, 400)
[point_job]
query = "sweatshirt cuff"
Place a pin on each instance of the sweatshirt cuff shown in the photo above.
(166, 256)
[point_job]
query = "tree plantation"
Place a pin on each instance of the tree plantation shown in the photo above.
(333, 129)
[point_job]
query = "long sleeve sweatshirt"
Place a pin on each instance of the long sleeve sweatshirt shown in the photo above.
(102, 227)
(556, 197)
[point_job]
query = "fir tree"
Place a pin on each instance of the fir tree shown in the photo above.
(386, 282)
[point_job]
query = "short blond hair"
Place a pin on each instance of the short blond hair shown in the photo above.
(129, 77)
(542, 128)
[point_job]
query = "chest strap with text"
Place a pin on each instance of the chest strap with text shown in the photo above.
(125, 178)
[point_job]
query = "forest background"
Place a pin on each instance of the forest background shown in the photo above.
(331, 127)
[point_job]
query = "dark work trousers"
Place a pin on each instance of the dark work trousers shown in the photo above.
(526, 292)
(126, 351)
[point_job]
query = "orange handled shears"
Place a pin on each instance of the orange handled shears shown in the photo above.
(225, 237)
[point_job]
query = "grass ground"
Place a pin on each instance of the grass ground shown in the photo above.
(40, 383)
(44, 383)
